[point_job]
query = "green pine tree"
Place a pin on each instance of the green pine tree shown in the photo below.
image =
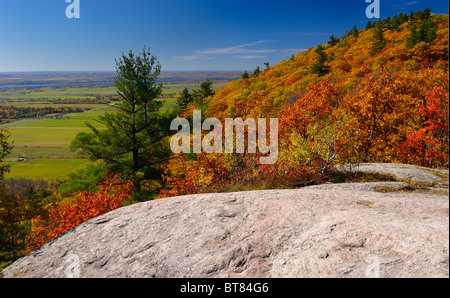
(199, 95)
(256, 72)
(378, 38)
(134, 142)
(426, 31)
(355, 31)
(184, 100)
(413, 38)
(320, 67)
(425, 14)
(333, 40)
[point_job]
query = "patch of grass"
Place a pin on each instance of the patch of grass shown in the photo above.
(169, 103)
(444, 176)
(49, 168)
(440, 192)
(44, 134)
(68, 122)
(36, 151)
(411, 186)
(241, 187)
(76, 120)
(336, 176)
(18, 123)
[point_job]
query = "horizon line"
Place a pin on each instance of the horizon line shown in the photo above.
(112, 71)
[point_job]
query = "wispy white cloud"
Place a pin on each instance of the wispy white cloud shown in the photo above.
(246, 51)
(406, 4)
(411, 3)
(191, 57)
(240, 49)
(250, 57)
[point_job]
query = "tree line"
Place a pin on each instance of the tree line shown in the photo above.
(17, 112)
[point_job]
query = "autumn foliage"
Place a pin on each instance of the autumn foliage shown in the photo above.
(374, 95)
(114, 193)
(429, 145)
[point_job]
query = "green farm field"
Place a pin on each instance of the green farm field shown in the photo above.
(43, 143)
(32, 96)
(23, 94)
(46, 168)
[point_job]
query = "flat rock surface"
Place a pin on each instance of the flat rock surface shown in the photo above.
(331, 230)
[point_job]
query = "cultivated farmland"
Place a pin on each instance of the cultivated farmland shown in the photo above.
(41, 144)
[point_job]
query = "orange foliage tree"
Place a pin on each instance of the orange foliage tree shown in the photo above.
(371, 108)
(113, 194)
(313, 125)
(187, 175)
(429, 145)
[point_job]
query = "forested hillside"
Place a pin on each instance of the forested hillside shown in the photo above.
(373, 95)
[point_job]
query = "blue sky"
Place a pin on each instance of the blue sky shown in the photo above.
(184, 35)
